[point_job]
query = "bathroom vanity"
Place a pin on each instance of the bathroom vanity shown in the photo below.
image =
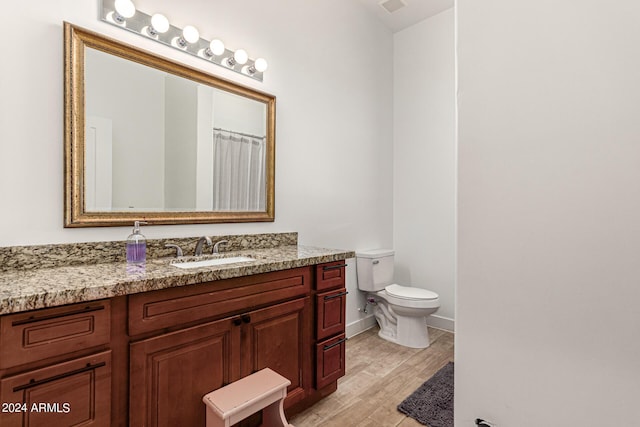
(110, 344)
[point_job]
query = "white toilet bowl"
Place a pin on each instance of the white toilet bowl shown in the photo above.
(403, 319)
(401, 311)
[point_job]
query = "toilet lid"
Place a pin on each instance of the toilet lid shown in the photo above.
(408, 292)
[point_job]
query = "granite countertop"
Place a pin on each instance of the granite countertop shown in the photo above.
(22, 290)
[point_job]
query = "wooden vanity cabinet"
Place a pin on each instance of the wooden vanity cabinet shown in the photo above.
(147, 359)
(171, 371)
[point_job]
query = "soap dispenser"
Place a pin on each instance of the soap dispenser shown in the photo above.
(136, 245)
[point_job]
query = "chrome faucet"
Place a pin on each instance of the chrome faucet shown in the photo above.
(216, 247)
(176, 247)
(200, 244)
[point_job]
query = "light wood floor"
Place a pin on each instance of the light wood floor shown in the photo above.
(379, 375)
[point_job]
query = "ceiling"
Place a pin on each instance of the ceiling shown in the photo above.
(414, 11)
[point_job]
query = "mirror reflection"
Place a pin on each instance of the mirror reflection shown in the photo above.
(159, 141)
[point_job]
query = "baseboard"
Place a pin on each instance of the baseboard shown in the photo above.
(359, 326)
(440, 322)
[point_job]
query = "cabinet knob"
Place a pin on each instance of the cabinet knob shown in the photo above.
(246, 318)
(237, 321)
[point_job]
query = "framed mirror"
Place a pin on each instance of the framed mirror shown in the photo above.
(147, 138)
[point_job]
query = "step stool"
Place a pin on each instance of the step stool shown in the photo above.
(263, 390)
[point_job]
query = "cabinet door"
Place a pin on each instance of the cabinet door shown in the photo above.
(73, 393)
(331, 307)
(277, 337)
(172, 372)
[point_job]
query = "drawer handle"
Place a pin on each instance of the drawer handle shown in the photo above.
(34, 319)
(337, 343)
(237, 321)
(341, 294)
(34, 383)
(333, 267)
(246, 318)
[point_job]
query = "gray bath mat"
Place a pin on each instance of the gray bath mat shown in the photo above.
(432, 403)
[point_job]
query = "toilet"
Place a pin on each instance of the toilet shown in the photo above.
(400, 310)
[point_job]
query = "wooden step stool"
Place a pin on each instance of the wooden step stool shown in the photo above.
(263, 390)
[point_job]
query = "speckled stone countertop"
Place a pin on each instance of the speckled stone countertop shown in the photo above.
(58, 255)
(34, 288)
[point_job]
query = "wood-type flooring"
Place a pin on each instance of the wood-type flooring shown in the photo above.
(379, 375)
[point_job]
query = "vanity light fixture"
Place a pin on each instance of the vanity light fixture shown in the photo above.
(123, 14)
(190, 35)
(123, 9)
(239, 57)
(260, 65)
(216, 47)
(159, 25)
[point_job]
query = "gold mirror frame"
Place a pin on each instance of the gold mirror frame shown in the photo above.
(75, 214)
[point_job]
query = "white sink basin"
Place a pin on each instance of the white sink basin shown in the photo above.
(212, 262)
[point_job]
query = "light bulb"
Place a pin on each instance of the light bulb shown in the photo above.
(190, 34)
(240, 56)
(159, 23)
(217, 47)
(260, 65)
(125, 8)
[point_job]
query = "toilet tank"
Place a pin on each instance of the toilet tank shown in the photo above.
(374, 269)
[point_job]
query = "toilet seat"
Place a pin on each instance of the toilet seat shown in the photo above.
(390, 293)
(409, 292)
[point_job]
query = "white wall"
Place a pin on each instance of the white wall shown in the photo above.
(236, 113)
(330, 69)
(108, 95)
(425, 160)
(549, 206)
(181, 143)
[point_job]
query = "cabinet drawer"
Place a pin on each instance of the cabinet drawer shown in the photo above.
(36, 335)
(330, 275)
(172, 307)
(330, 359)
(77, 392)
(331, 307)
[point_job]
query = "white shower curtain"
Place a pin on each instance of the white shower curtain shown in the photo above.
(238, 172)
